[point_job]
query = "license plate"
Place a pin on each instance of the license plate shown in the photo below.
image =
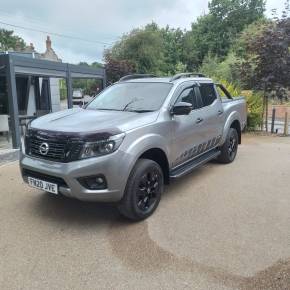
(43, 185)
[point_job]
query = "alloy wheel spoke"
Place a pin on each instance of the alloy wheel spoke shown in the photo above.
(147, 190)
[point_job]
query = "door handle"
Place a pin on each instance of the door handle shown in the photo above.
(220, 112)
(198, 120)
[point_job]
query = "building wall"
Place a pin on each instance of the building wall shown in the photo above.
(55, 95)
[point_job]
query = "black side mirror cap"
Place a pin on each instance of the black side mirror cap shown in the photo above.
(181, 108)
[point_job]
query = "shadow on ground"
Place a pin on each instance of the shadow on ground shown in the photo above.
(62, 210)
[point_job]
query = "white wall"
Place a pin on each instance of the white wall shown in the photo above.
(55, 94)
(31, 108)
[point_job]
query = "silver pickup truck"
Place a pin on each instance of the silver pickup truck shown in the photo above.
(133, 138)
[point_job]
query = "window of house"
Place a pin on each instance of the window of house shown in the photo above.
(208, 94)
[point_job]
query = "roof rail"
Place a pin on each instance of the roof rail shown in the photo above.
(136, 76)
(187, 75)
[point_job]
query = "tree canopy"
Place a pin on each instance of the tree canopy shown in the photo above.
(215, 32)
(9, 41)
(168, 50)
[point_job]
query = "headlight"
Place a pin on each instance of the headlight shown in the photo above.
(27, 127)
(102, 147)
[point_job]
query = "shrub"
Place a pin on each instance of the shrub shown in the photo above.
(255, 109)
(254, 104)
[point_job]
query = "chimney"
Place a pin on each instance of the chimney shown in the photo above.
(17, 46)
(48, 43)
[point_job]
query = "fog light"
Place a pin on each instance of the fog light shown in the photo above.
(99, 180)
(94, 182)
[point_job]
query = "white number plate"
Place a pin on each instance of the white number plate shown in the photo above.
(43, 185)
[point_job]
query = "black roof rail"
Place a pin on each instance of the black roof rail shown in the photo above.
(187, 75)
(136, 76)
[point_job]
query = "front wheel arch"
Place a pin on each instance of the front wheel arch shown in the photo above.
(159, 156)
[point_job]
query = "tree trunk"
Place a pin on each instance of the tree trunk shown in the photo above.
(263, 112)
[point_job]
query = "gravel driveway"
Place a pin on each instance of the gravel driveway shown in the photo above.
(221, 227)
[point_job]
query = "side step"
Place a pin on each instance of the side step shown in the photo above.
(195, 163)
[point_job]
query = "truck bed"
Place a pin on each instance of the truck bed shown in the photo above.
(237, 104)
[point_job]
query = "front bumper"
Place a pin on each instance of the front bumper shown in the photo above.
(115, 167)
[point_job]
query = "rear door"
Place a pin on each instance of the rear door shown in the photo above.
(212, 116)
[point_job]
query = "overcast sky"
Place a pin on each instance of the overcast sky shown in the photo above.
(96, 20)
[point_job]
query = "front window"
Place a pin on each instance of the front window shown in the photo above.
(134, 97)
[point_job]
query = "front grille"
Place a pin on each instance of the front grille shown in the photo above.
(56, 150)
(59, 181)
(61, 148)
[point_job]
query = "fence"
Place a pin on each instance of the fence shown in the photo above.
(278, 120)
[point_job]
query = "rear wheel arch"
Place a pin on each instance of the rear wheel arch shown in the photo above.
(237, 125)
(233, 120)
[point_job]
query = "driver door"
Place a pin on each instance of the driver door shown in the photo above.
(187, 131)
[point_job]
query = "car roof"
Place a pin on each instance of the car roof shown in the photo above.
(167, 80)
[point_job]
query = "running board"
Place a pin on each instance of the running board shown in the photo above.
(191, 165)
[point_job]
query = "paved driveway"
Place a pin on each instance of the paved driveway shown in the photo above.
(222, 227)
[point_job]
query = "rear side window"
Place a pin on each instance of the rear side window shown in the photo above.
(208, 94)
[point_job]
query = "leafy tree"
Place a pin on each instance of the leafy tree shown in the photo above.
(143, 48)
(172, 46)
(226, 69)
(235, 15)
(8, 41)
(215, 32)
(89, 86)
(267, 61)
(115, 68)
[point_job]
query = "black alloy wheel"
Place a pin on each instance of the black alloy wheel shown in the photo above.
(233, 146)
(148, 189)
(143, 190)
(230, 147)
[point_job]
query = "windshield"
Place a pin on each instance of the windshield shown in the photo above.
(136, 97)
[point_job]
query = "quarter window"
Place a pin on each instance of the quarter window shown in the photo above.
(208, 94)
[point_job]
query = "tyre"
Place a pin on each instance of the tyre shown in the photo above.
(143, 190)
(230, 147)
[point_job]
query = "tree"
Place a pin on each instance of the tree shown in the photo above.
(221, 70)
(143, 48)
(115, 69)
(147, 50)
(268, 63)
(215, 32)
(235, 15)
(173, 46)
(89, 86)
(8, 41)
(245, 63)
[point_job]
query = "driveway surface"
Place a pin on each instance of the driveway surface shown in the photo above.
(221, 227)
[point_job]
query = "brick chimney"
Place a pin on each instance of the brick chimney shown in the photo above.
(49, 54)
(48, 43)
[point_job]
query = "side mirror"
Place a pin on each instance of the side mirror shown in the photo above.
(181, 108)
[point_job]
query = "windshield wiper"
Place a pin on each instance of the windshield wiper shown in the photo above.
(134, 100)
(131, 102)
